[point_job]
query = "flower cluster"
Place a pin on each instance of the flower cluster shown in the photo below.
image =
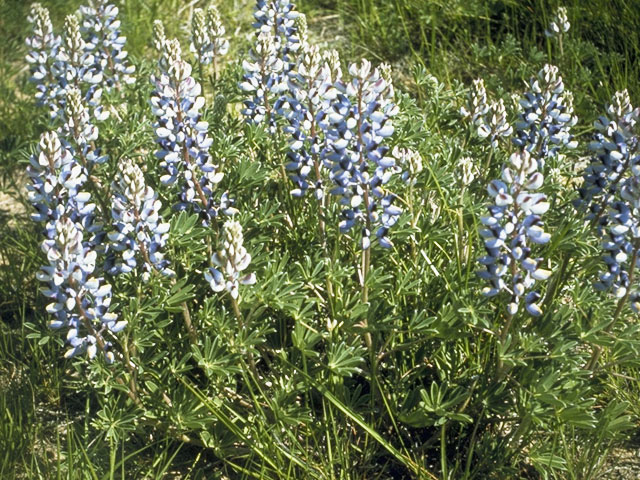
(357, 122)
(611, 155)
(159, 37)
(411, 160)
(80, 299)
(478, 106)
(332, 58)
(101, 27)
(264, 80)
(490, 119)
(182, 136)
(469, 171)
(272, 58)
(231, 260)
(514, 223)
(138, 225)
(199, 36)
(87, 57)
(309, 84)
(56, 188)
(279, 18)
(495, 125)
(208, 40)
(611, 195)
(43, 45)
(559, 23)
(546, 118)
(79, 128)
(76, 67)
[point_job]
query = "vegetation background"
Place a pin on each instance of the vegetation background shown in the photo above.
(59, 420)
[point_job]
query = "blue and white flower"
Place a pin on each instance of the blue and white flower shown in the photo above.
(358, 122)
(182, 137)
(544, 124)
(80, 299)
(512, 226)
(559, 24)
(76, 68)
(611, 195)
(104, 40)
(208, 42)
(273, 56)
(43, 49)
(140, 234)
(230, 260)
(57, 186)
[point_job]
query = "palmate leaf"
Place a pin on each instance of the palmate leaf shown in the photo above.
(437, 406)
(180, 293)
(214, 358)
(345, 360)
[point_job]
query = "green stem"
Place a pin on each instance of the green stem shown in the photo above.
(443, 452)
(240, 318)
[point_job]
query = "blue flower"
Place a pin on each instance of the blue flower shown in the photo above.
(75, 67)
(139, 229)
(43, 45)
(57, 183)
(546, 118)
(182, 137)
(273, 56)
(231, 260)
(610, 195)
(306, 105)
(80, 299)
(105, 42)
(513, 224)
(79, 129)
(357, 122)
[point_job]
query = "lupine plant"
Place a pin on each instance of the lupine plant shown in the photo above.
(80, 130)
(159, 36)
(478, 106)
(208, 42)
(182, 137)
(489, 118)
(80, 299)
(139, 229)
(101, 26)
(264, 79)
(272, 58)
(44, 47)
(558, 27)
(304, 355)
(609, 195)
(279, 18)
(76, 68)
(546, 118)
(359, 121)
(310, 85)
(229, 262)
(513, 225)
(514, 222)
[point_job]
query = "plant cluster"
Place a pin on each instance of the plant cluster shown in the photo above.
(220, 251)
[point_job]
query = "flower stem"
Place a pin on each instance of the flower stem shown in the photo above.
(240, 318)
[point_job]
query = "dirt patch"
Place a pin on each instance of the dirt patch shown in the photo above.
(623, 464)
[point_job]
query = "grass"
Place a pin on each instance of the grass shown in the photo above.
(426, 404)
